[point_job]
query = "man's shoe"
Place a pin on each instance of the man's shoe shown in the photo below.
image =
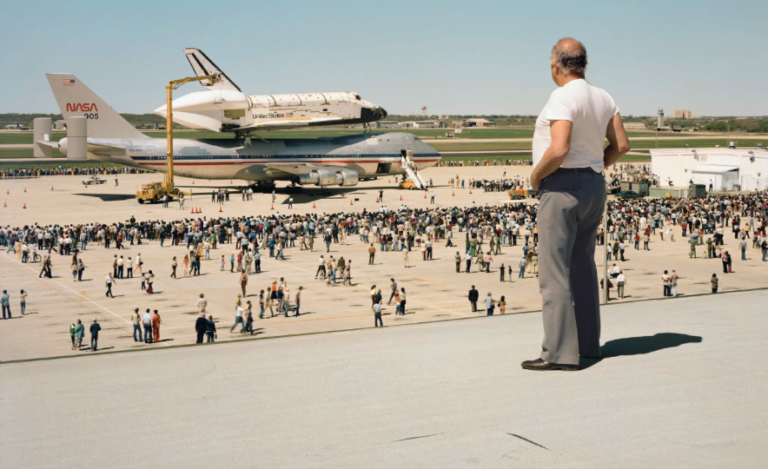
(541, 365)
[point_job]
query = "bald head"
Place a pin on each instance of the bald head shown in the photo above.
(570, 56)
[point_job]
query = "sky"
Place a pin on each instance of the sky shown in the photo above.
(455, 57)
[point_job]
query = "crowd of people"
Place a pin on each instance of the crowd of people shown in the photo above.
(477, 232)
(447, 163)
(23, 173)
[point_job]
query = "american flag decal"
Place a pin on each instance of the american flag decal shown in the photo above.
(288, 114)
(69, 82)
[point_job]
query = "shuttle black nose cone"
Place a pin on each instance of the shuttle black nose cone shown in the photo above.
(372, 115)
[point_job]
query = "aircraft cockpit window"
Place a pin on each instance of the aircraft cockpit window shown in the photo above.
(357, 97)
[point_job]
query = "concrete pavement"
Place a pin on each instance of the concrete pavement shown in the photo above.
(682, 386)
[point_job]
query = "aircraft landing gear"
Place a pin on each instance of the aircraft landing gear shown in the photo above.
(263, 187)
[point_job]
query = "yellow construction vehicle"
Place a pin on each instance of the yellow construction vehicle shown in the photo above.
(155, 191)
(406, 183)
(517, 194)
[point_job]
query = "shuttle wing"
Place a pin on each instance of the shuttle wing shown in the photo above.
(289, 124)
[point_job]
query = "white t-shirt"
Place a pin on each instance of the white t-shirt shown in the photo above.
(590, 109)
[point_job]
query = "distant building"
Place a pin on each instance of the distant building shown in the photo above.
(385, 125)
(16, 126)
(683, 114)
(634, 126)
(60, 124)
(477, 123)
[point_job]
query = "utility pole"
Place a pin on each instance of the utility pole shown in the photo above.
(174, 85)
(605, 249)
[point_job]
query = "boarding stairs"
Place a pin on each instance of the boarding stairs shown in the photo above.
(412, 171)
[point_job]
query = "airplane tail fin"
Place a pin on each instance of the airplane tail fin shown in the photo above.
(76, 99)
(202, 66)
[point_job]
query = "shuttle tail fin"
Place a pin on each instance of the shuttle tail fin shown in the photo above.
(76, 99)
(202, 66)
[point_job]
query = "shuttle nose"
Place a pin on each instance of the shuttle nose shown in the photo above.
(161, 110)
(373, 113)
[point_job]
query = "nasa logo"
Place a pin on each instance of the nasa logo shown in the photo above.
(81, 107)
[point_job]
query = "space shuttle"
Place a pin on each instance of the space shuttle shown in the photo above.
(223, 107)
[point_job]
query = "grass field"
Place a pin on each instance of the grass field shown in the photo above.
(31, 165)
(26, 154)
(7, 138)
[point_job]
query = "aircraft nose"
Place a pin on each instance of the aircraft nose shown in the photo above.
(382, 112)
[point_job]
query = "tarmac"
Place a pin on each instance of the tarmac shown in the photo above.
(435, 291)
(681, 386)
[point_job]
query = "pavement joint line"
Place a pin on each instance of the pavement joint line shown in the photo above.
(83, 296)
(510, 314)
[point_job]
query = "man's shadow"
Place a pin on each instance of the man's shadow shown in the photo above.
(641, 345)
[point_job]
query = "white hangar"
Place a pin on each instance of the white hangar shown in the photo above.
(725, 169)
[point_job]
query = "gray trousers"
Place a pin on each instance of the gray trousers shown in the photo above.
(570, 210)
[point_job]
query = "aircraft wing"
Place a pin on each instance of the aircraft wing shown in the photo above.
(105, 150)
(288, 124)
(281, 169)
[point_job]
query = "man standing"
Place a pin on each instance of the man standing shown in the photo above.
(5, 301)
(568, 158)
(79, 334)
(200, 327)
(393, 286)
(620, 281)
(95, 328)
(377, 322)
(473, 297)
(109, 281)
(371, 254)
(673, 283)
(136, 321)
(147, 320)
(202, 303)
(243, 282)
(665, 283)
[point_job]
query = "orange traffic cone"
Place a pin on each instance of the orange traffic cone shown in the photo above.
(220, 210)
(313, 205)
(193, 181)
(377, 200)
(7, 191)
(25, 189)
(86, 186)
(5, 204)
(51, 187)
(401, 197)
(389, 180)
(230, 181)
(452, 194)
(470, 192)
(25, 206)
(192, 210)
(272, 207)
(425, 195)
(350, 202)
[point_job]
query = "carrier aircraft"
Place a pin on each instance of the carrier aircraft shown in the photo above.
(325, 161)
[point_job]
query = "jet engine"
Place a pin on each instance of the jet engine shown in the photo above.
(330, 177)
